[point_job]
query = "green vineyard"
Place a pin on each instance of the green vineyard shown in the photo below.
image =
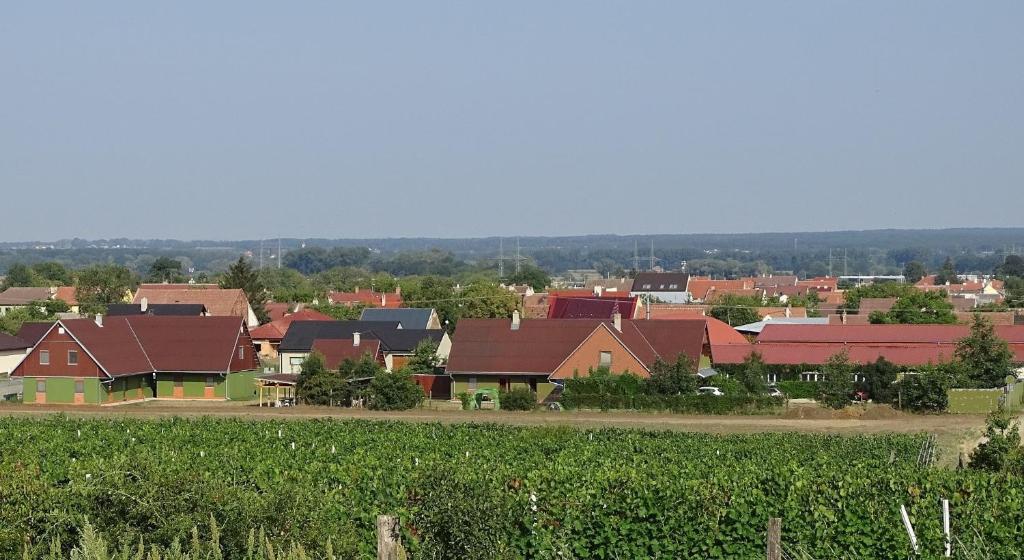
(486, 491)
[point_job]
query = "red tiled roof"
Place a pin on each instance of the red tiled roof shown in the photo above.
(67, 295)
(275, 330)
(719, 332)
(814, 354)
(336, 351)
(378, 299)
(879, 333)
(33, 332)
(143, 344)
(869, 305)
(275, 310)
(180, 286)
(219, 302)
(700, 288)
(539, 346)
(667, 311)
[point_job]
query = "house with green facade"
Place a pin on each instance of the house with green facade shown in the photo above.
(110, 360)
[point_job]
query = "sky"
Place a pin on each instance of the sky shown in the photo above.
(241, 120)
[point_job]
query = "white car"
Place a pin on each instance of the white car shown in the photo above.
(713, 391)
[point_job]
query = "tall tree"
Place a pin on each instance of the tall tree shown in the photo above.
(947, 274)
(735, 310)
(753, 374)
(424, 358)
(1013, 265)
(165, 269)
(914, 271)
(52, 273)
(483, 300)
(241, 275)
(835, 388)
(101, 285)
(918, 307)
(986, 358)
(530, 275)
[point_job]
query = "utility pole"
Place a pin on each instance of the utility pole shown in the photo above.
(501, 257)
(830, 263)
(279, 259)
(636, 257)
(518, 263)
(261, 254)
(652, 255)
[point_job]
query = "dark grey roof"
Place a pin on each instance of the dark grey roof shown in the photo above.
(301, 334)
(405, 340)
(8, 342)
(157, 309)
(661, 282)
(410, 317)
(32, 333)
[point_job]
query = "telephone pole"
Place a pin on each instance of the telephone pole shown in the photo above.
(279, 259)
(518, 263)
(652, 255)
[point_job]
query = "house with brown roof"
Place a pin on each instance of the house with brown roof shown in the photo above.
(541, 353)
(110, 360)
(219, 302)
(335, 351)
(17, 296)
(12, 352)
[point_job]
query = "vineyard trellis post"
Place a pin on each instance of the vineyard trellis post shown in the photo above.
(775, 538)
(389, 546)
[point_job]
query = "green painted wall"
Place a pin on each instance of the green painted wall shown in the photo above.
(241, 386)
(61, 390)
(460, 384)
(193, 385)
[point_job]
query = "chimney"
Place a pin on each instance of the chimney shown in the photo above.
(356, 339)
(515, 320)
(617, 321)
(647, 306)
(99, 320)
(144, 305)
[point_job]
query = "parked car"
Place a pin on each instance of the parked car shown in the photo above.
(713, 391)
(775, 392)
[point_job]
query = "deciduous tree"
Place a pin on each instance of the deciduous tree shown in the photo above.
(986, 358)
(241, 275)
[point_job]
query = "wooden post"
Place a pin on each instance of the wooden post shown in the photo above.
(388, 545)
(775, 538)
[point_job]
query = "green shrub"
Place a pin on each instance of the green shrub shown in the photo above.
(683, 404)
(518, 399)
(799, 389)
(924, 392)
(394, 391)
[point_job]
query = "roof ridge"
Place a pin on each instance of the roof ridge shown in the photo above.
(139, 342)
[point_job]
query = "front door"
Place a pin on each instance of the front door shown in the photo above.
(79, 391)
(503, 383)
(208, 390)
(179, 386)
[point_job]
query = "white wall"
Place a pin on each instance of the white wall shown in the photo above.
(9, 359)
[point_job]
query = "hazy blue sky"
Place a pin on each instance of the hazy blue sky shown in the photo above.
(331, 119)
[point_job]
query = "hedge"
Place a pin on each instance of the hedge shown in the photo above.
(686, 404)
(799, 389)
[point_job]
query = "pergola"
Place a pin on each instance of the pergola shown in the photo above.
(275, 385)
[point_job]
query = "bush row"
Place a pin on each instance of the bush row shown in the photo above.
(686, 404)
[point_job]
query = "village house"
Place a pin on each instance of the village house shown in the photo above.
(268, 337)
(12, 351)
(540, 354)
(219, 302)
(666, 287)
(410, 317)
(397, 344)
(109, 360)
(15, 297)
(368, 298)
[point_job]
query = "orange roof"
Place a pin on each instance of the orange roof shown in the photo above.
(781, 311)
(719, 332)
(219, 302)
(67, 295)
(676, 311)
(376, 299)
(699, 288)
(276, 329)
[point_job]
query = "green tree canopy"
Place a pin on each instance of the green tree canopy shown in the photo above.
(736, 310)
(947, 274)
(21, 275)
(914, 271)
(101, 285)
(424, 358)
(986, 358)
(835, 388)
(918, 307)
(531, 275)
(165, 269)
(318, 385)
(672, 379)
(753, 374)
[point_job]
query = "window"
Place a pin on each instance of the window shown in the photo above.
(241, 352)
(73, 357)
(809, 376)
(673, 286)
(295, 363)
(472, 383)
(606, 359)
(41, 386)
(647, 286)
(772, 378)
(209, 381)
(44, 357)
(79, 386)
